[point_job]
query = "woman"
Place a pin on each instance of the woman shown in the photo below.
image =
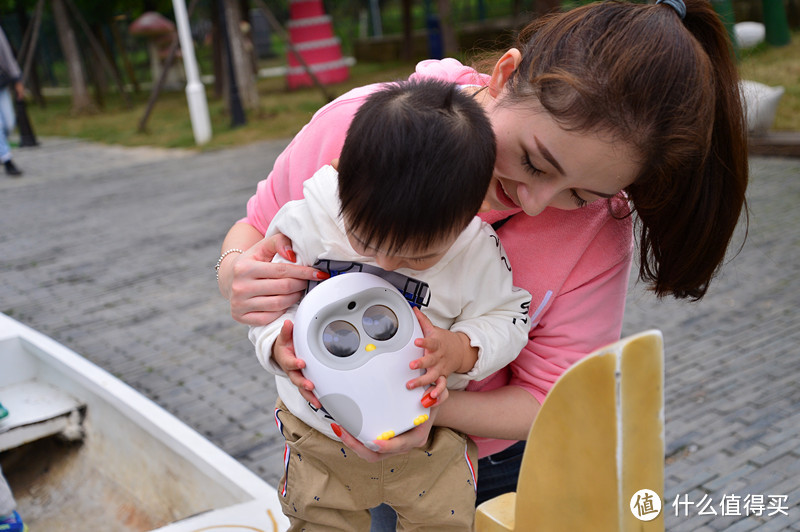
(603, 101)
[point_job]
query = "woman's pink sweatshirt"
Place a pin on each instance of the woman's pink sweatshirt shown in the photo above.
(575, 263)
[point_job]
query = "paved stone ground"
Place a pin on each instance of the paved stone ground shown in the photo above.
(111, 252)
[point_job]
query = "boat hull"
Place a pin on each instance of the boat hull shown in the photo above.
(109, 458)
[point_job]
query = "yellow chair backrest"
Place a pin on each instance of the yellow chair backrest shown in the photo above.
(597, 440)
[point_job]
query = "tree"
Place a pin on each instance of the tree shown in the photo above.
(449, 42)
(81, 103)
(75, 19)
(242, 62)
(408, 44)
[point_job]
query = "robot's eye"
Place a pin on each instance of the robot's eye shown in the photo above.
(341, 339)
(380, 322)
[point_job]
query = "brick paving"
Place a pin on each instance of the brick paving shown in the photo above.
(111, 250)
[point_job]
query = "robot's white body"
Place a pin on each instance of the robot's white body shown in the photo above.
(356, 334)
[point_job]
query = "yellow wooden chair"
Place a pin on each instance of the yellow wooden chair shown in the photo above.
(597, 440)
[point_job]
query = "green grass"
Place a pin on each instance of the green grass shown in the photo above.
(282, 113)
(778, 66)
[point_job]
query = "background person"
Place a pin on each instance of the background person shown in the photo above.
(10, 79)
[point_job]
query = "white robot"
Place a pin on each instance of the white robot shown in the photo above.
(356, 334)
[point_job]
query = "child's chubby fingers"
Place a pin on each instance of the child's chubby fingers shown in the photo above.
(284, 354)
(426, 361)
(426, 379)
(305, 386)
(310, 397)
(428, 344)
(283, 349)
(424, 323)
(436, 394)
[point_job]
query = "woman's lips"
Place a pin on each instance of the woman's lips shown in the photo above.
(503, 197)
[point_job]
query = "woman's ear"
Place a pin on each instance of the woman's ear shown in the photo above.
(502, 71)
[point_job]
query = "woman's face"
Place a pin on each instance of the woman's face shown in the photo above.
(539, 164)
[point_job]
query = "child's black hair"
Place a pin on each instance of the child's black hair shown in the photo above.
(415, 165)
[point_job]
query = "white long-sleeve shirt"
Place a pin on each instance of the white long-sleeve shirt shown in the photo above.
(469, 290)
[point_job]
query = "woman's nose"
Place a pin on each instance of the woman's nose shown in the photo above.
(535, 198)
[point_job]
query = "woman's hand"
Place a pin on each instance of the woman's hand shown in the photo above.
(284, 355)
(416, 437)
(262, 290)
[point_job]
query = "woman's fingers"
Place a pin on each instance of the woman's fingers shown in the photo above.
(261, 292)
(412, 439)
(356, 446)
(416, 437)
(280, 244)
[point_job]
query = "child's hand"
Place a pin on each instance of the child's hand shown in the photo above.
(284, 355)
(436, 394)
(445, 352)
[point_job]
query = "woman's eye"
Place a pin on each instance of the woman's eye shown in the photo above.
(579, 201)
(528, 165)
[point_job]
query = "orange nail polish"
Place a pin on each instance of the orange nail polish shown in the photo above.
(427, 400)
(336, 430)
(323, 275)
(290, 255)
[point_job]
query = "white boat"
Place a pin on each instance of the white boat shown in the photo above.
(84, 451)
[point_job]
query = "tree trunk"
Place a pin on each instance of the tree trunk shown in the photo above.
(242, 66)
(99, 83)
(96, 72)
(408, 44)
(247, 36)
(123, 51)
(217, 53)
(81, 103)
(33, 84)
(449, 43)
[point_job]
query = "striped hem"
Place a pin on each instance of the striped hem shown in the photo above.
(471, 468)
(286, 455)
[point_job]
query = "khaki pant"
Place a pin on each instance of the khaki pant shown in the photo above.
(326, 486)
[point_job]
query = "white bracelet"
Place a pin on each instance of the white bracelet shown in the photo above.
(222, 257)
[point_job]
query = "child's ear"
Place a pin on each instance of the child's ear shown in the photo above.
(502, 71)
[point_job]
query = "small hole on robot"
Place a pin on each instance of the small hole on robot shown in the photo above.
(351, 305)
